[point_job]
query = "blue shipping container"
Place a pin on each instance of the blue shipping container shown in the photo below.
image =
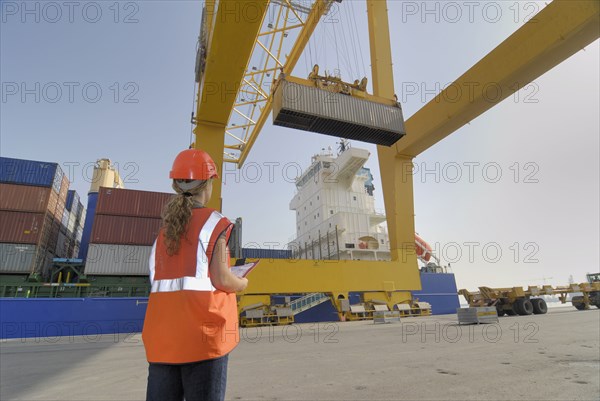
(70, 196)
(255, 253)
(72, 200)
(29, 172)
(58, 178)
(89, 223)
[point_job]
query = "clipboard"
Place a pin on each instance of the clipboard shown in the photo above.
(243, 270)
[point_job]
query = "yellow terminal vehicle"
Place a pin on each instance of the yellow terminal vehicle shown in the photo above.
(517, 301)
(591, 297)
(510, 301)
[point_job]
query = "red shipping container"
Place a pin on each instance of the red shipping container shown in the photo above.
(127, 202)
(124, 230)
(49, 237)
(64, 189)
(24, 198)
(60, 208)
(52, 202)
(47, 231)
(21, 227)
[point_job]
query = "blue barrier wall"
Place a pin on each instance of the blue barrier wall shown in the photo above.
(439, 289)
(54, 317)
(92, 317)
(324, 312)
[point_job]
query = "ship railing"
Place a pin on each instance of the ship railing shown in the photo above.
(346, 209)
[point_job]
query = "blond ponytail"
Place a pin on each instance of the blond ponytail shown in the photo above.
(177, 215)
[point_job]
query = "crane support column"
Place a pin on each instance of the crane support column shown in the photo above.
(396, 172)
(211, 139)
(232, 26)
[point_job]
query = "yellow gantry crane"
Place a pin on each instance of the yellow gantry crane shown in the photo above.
(235, 99)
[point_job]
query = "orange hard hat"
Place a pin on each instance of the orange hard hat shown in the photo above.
(193, 164)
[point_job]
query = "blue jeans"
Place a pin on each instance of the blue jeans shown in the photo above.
(198, 381)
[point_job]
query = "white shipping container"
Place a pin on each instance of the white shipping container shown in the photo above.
(75, 254)
(316, 110)
(126, 260)
(61, 245)
(19, 258)
(65, 218)
(71, 224)
(80, 219)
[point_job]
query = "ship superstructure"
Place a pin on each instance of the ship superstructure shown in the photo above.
(335, 209)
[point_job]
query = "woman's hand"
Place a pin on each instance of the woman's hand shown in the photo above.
(220, 275)
(245, 283)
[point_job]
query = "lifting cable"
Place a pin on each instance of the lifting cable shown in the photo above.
(346, 49)
(350, 37)
(195, 88)
(337, 52)
(324, 44)
(353, 17)
(192, 116)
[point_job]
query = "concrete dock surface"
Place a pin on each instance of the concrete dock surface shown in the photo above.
(540, 357)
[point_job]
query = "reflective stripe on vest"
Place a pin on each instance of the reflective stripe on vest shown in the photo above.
(152, 262)
(201, 282)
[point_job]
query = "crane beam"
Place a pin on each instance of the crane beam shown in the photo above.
(299, 276)
(232, 21)
(557, 32)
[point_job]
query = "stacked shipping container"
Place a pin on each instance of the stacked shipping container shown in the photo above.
(126, 223)
(32, 202)
(257, 253)
(75, 217)
(38, 218)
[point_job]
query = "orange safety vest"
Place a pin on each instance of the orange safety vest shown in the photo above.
(187, 319)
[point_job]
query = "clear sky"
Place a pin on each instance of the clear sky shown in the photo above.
(116, 80)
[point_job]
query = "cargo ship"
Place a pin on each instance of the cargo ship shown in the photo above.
(336, 218)
(55, 254)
